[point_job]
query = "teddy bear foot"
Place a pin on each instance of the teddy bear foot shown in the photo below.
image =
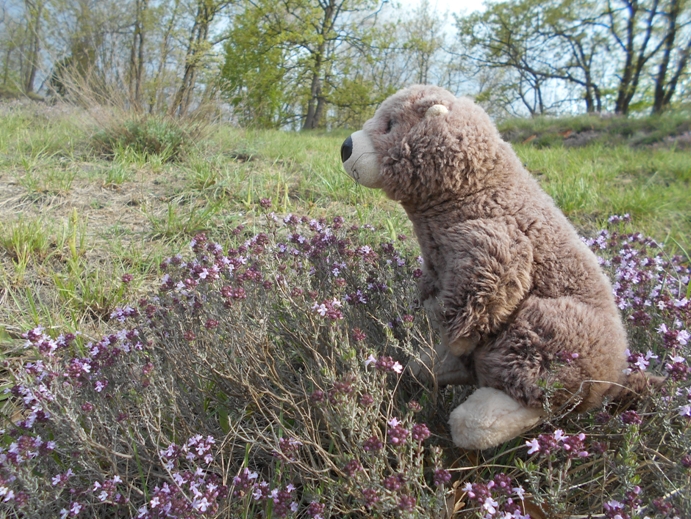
(490, 417)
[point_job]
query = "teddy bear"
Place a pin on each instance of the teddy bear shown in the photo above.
(522, 308)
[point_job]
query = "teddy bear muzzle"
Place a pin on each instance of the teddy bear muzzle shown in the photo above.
(360, 159)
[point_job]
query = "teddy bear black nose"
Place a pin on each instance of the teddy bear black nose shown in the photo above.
(346, 149)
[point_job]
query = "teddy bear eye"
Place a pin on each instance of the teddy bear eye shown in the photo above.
(389, 125)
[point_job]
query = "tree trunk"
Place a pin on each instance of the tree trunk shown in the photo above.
(681, 67)
(669, 40)
(620, 106)
(588, 97)
(311, 121)
(137, 55)
(635, 62)
(198, 36)
(6, 71)
(34, 11)
(157, 100)
(317, 102)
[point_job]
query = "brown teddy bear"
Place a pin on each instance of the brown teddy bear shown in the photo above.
(522, 307)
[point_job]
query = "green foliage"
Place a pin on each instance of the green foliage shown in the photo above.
(355, 101)
(254, 71)
(288, 63)
(116, 175)
(167, 139)
(25, 237)
(593, 182)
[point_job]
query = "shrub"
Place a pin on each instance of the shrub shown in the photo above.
(168, 139)
(266, 379)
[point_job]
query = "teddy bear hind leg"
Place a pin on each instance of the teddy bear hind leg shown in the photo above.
(441, 365)
(490, 417)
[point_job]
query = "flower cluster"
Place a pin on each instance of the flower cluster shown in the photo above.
(385, 364)
(39, 393)
(196, 448)
(639, 361)
(248, 485)
(397, 433)
(641, 280)
(573, 446)
(652, 289)
(329, 309)
(677, 367)
(252, 329)
(625, 509)
(106, 491)
(442, 477)
(192, 494)
(631, 417)
(498, 497)
(372, 444)
(352, 468)
(287, 448)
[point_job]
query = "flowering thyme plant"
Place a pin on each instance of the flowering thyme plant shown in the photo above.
(266, 378)
(234, 389)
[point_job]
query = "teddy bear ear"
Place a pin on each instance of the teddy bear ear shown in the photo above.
(435, 110)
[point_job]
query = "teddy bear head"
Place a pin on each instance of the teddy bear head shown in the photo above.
(423, 144)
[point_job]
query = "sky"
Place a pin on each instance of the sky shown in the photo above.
(449, 7)
(452, 6)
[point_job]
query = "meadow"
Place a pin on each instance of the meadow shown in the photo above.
(198, 320)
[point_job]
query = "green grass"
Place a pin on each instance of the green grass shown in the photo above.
(75, 221)
(591, 183)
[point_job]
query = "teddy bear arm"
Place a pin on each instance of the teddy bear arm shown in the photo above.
(485, 284)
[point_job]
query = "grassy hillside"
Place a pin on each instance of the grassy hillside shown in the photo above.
(125, 212)
(271, 363)
(670, 130)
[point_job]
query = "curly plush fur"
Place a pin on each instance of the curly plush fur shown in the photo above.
(520, 302)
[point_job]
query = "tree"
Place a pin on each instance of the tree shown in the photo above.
(676, 47)
(161, 47)
(87, 51)
(511, 36)
(573, 24)
(254, 72)
(589, 46)
(423, 40)
(34, 14)
(137, 59)
(317, 39)
(632, 25)
(198, 47)
(11, 39)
